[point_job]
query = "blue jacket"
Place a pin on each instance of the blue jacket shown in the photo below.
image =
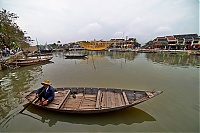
(47, 94)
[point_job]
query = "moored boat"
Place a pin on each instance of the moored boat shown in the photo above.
(93, 100)
(45, 49)
(39, 54)
(75, 56)
(29, 61)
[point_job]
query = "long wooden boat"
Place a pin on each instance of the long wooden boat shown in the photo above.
(28, 62)
(94, 100)
(75, 56)
(39, 54)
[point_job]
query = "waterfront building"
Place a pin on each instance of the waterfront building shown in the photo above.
(171, 41)
(160, 42)
(123, 43)
(185, 41)
(189, 41)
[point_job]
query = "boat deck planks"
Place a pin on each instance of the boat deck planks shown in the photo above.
(110, 100)
(63, 100)
(125, 98)
(98, 104)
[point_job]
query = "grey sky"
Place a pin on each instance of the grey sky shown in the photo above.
(74, 20)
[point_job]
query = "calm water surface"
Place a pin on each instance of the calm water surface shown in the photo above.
(175, 110)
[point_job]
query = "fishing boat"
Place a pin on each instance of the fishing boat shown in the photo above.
(30, 61)
(76, 56)
(45, 49)
(93, 100)
(39, 54)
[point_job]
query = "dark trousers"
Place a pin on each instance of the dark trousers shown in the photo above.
(43, 96)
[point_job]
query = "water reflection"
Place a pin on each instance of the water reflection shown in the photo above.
(105, 57)
(12, 83)
(126, 116)
(175, 59)
(112, 55)
(126, 55)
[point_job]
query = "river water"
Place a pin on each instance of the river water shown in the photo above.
(175, 110)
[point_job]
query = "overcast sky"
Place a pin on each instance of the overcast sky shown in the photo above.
(74, 20)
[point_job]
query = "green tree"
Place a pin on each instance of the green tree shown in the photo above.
(10, 32)
(148, 44)
(164, 45)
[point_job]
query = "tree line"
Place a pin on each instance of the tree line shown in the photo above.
(10, 33)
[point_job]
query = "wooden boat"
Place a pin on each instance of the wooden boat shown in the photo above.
(94, 100)
(29, 61)
(39, 54)
(45, 49)
(74, 56)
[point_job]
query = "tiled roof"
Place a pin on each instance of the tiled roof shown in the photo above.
(185, 36)
(170, 38)
(196, 38)
(188, 37)
(160, 37)
(132, 39)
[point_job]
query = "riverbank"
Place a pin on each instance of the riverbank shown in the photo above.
(152, 50)
(167, 51)
(5, 60)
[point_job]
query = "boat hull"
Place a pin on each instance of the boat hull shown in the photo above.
(75, 56)
(28, 62)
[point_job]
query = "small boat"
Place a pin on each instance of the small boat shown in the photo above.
(29, 61)
(74, 56)
(93, 100)
(39, 54)
(45, 49)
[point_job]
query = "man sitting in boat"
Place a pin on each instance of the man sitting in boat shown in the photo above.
(46, 92)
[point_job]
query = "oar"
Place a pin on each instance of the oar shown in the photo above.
(31, 102)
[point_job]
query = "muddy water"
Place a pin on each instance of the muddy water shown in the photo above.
(175, 110)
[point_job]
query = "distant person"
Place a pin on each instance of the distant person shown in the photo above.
(4, 51)
(45, 94)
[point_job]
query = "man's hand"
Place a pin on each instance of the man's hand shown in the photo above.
(45, 102)
(37, 96)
